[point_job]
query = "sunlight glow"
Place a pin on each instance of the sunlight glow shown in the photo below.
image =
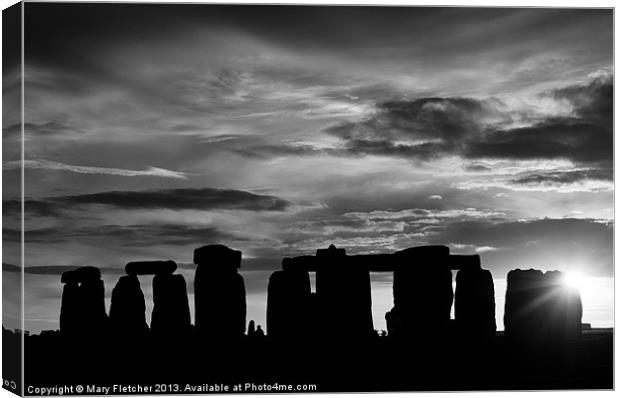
(575, 280)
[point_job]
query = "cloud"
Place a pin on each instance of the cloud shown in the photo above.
(37, 130)
(179, 199)
(39, 208)
(484, 129)
(55, 269)
(477, 129)
(508, 233)
(567, 138)
(432, 127)
(562, 177)
(142, 235)
(10, 267)
(270, 151)
(430, 118)
(420, 129)
(379, 230)
(50, 165)
(545, 181)
(593, 101)
(174, 199)
(584, 137)
(458, 248)
(478, 168)
(413, 214)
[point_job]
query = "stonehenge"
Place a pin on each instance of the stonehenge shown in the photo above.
(540, 309)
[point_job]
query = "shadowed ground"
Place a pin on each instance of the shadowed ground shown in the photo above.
(378, 364)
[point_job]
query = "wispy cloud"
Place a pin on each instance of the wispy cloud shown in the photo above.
(567, 182)
(50, 165)
(411, 214)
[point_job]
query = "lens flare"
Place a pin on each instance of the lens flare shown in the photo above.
(574, 279)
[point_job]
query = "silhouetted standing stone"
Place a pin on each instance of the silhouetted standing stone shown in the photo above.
(81, 274)
(313, 317)
(542, 320)
(288, 296)
(127, 310)
(524, 314)
(70, 308)
(219, 255)
(93, 296)
(394, 323)
(343, 291)
(259, 332)
(564, 311)
(541, 308)
(474, 303)
(219, 293)
(251, 328)
(423, 290)
(83, 307)
(170, 315)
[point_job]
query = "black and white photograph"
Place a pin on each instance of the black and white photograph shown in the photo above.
(210, 198)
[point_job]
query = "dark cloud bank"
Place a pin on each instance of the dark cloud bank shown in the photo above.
(175, 199)
(54, 269)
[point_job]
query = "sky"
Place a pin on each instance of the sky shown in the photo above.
(151, 130)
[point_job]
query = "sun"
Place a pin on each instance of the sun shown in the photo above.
(574, 279)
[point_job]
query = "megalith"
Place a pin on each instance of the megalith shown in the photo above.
(474, 303)
(128, 308)
(83, 309)
(170, 316)
(219, 293)
(344, 295)
(288, 301)
(422, 290)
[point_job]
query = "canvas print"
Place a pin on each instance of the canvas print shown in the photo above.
(213, 198)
